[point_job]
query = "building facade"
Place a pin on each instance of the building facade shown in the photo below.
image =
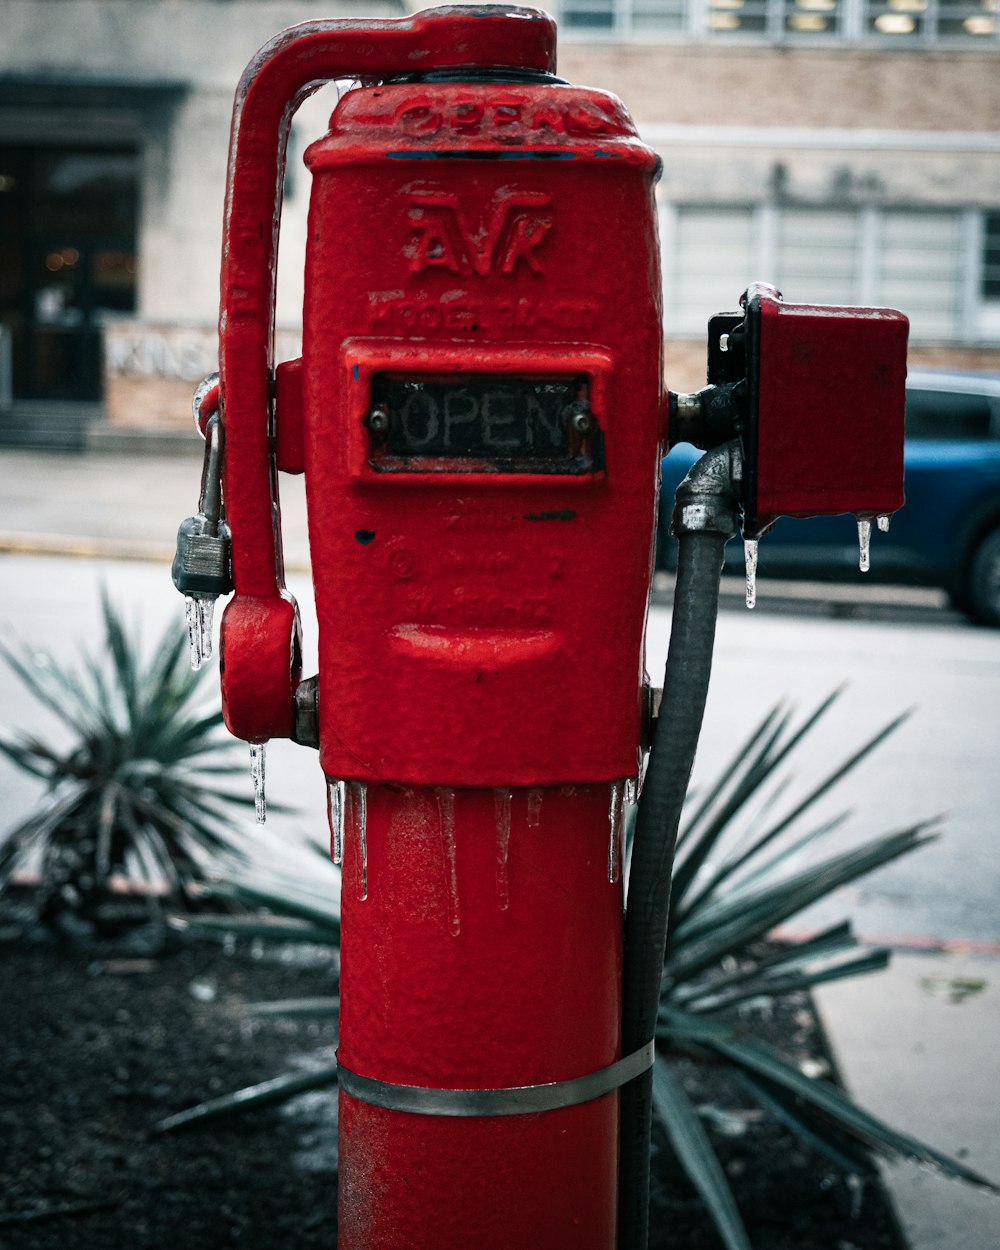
(846, 150)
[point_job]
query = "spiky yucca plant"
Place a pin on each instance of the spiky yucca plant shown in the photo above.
(135, 794)
(731, 888)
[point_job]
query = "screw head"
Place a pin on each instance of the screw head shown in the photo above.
(582, 421)
(378, 421)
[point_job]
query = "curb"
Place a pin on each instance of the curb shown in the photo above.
(83, 548)
(915, 943)
(103, 549)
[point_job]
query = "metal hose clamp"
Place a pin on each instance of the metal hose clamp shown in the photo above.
(509, 1100)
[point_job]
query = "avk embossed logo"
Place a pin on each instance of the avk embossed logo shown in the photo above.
(504, 235)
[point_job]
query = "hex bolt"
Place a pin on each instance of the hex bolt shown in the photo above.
(378, 421)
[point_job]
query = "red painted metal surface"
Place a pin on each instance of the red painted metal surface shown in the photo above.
(481, 622)
(283, 73)
(289, 449)
(258, 690)
(479, 960)
(207, 408)
(830, 398)
(481, 619)
(481, 628)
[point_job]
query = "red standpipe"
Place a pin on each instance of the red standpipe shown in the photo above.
(478, 413)
(481, 609)
(486, 954)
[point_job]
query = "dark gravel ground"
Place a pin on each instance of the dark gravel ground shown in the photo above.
(96, 1046)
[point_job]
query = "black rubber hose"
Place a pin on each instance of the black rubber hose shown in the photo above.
(685, 690)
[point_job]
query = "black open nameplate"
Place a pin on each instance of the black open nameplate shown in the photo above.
(483, 423)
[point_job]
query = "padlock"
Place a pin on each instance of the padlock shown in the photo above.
(202, 567)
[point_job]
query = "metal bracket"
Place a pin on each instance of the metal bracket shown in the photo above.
(305, 730)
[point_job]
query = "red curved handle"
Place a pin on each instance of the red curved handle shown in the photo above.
(282, 74)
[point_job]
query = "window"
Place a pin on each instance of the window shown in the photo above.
(587, 15)
(745, 17)
(919, 262)
(818, 254)
(777, 19)
(920, 271)
(67, 260)
(812, 17)
(923, 20)
(625, 16)
(990, 281)
(970, 22)
(947, 414)
(656, 16)
(898, 18)
(708, 263)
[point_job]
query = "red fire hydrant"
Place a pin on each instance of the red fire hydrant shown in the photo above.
(479, 413)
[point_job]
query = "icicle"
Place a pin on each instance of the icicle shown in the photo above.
(615, 831)
(631, 789)
(206, 614)
(750, 557)
(335, 815)
(534, 808)
(359, 819)
(446, 812)
(191, 615)
(194, 633)
(864, 543)
(502, 803)
(198, 613)
(257, 761)
(883, 522)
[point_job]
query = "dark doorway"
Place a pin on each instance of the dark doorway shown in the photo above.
(67, 258)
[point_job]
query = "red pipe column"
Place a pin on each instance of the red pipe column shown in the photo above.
(480, 598)
(482, 943)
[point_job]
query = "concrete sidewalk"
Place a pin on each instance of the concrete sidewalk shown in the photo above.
(918, 1045)
(116, 505)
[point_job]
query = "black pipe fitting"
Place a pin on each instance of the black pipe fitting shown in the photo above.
(708, 417)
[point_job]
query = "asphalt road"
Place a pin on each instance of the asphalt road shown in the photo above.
(943, 760)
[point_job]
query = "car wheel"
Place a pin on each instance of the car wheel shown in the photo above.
(984, 581)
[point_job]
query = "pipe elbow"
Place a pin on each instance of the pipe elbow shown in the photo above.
(709, 499)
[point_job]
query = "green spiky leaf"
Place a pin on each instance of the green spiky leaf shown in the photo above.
(690, 1142)
(296, 1007)
(846, 1115)
(135, 791)
(266, 1093)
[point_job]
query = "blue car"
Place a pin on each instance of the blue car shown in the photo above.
(948, 533)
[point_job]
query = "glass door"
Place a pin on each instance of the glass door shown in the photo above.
(67, 258)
